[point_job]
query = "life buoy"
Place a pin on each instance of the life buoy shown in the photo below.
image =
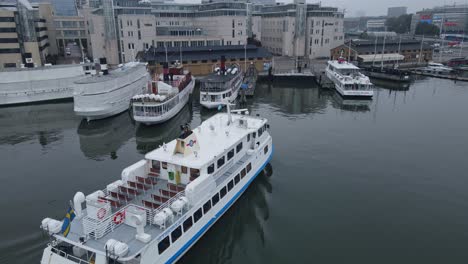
(101, 213)
(119, 217)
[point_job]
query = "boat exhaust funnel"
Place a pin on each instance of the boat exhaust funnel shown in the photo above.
(78, 200)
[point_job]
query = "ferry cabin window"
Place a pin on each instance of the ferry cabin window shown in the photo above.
(197, 215)
(164, 165)
(265, 150)
(215, 199)
(176, 234)
(237, 179)
(184, 169)
(254, 135)
(230, 185)
(163, 245)
(211, 169)
(249, 167)
(194, 172)
(230, 154)
(239, 147)
(223, 192)
(243, 173)
(260, 132)
(187, 224)
(156, 165)
(207, 207)
(220, 162)
(248, 137)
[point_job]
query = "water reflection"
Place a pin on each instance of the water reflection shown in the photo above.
(353, 105)
(101, 138)
(296, 98)
(391, 85)
(149, 138)
(243, 224)
(43, 122)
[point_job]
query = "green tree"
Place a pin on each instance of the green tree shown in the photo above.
(399, 24)
(427, 29)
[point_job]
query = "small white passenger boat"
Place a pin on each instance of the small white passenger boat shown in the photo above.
(165, 98)
(348, 80)
(163, 204)
(224, 83)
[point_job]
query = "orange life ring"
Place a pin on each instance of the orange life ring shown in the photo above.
(119, 217)
(101, 213)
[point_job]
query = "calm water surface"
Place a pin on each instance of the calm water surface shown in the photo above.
(383, 181)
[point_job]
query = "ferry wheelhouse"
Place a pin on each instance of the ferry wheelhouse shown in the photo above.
(348, 80)
(222, 84)
(164, 203)
(165, 98)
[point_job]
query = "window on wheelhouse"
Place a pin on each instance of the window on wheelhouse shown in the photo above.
(164, 165)
(211, 169)
(239, 147)
(194, 173)
(260, 132)
(248, 137)
(184, 169)
(221, 162)
(155, 166)
(230, 154)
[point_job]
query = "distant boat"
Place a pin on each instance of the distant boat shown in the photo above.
(348, 80)
(167, 96)
(223, 83)
(388, 74)
(103, 96)
(29, 85)
(436, 68)
(250, 79)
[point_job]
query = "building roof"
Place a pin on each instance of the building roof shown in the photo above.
(381, 57)
(363, 46)
(204, 53)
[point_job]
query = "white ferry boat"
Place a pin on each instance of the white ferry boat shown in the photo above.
(167, 96)
(437, 68)
(348, 80)
(164, 203)
(106, 95)
(29, 85)
(222, 84)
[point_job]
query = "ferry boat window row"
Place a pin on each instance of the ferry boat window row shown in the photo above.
(198, 214)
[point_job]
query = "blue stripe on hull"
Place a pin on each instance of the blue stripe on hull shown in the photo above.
(221, 212)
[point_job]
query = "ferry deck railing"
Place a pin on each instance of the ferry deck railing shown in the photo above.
(68, 256)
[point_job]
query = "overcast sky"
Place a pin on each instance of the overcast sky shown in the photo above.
(371, 7)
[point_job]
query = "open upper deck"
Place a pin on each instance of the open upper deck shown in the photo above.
(213, 136)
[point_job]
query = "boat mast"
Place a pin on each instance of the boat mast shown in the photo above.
(440, 35)
(245, 57)
(180, 51)
(399, 49)
(383, 49)
(165, 48)
(420, 50)
(375, 50)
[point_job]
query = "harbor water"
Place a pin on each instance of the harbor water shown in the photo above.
(379, 181)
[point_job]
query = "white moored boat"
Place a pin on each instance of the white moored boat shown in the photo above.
(164, 203)
(222, 84)
(165, 98)
(436, 68)
(348, 80)
(29, 85)
(106, 95)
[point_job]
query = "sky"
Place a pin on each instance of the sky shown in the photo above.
(371, 7)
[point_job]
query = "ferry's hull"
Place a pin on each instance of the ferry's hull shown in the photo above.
(103, 105)
(154, 120)
(348, 93)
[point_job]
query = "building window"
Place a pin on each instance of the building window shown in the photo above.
(163, 245)
(197, 215)
(187, 224)
(176, 234)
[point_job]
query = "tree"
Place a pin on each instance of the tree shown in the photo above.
(399, 24)
(427, 29)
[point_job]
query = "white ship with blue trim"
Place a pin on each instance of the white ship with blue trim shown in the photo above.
(164, 203)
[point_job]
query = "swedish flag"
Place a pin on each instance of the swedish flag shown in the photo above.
(67, 221)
